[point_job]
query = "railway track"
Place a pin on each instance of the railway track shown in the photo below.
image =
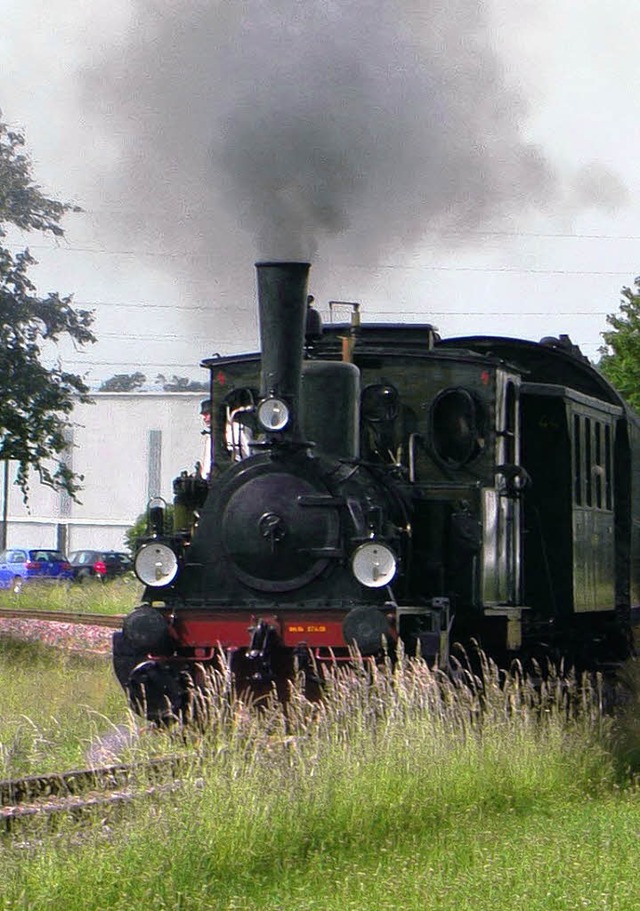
(48, 797)
(112, 621)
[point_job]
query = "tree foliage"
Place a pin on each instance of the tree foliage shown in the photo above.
(140, 528)
(35, 401)
(620, 355)
(129, 382)
(123, 382)
(181, 384)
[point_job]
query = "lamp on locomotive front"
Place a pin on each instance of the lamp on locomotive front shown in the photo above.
(374, 564)
(273, 414)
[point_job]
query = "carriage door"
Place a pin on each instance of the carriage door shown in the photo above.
(501, 504)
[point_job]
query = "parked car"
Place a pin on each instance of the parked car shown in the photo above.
(101, 565)
(19, 565)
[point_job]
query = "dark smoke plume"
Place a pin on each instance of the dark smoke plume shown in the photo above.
(263, 128)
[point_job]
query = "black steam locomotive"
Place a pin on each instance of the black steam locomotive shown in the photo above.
(376, 484)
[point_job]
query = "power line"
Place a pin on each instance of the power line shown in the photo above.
(381, 267)
(445, 232)
(177, 308)
(422, 315)
(496, 269)
(162, 365)
(181, 338)
(166, 365)
(425, 313)
(428, 313)
(397, 316)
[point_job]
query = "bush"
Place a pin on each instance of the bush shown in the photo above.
(140, 528)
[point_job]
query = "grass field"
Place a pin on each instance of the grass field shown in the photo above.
(401, 791)
(117, 597)
(54, 706)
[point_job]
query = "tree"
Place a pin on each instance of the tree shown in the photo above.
(140, 528)
(123, 382)
(35, 401)
(181, 384)
(620, 355)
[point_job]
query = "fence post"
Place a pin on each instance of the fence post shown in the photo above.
(5, 505)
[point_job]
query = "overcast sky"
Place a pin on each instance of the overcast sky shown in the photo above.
(469, 165)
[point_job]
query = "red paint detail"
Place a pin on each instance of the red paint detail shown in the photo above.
(485, 377)
(221, 629)
(221, 378)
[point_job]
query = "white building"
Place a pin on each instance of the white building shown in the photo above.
(129, 446)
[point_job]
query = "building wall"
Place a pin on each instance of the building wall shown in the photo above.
(129, 447)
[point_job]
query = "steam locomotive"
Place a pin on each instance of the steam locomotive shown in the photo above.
(372, 485)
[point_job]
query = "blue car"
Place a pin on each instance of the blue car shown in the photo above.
(19, 565)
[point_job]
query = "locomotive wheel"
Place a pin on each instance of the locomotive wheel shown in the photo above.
(156, 692)
(125, 657)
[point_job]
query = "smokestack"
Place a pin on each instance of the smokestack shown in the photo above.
(282, 301)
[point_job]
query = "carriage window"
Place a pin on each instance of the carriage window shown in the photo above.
(455, 432)
(588, 463)
(608, 499)
(592, 463)
(598, 467)
(577, 461)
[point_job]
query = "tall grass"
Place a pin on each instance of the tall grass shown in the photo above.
(625, 727)
(401, 788)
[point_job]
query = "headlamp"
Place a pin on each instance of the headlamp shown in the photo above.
(374, 564)
(156, 564)
(273, 414)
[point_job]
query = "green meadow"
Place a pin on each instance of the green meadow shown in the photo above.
(401, 789)
(117, 597)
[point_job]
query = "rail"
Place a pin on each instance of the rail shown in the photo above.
(112, 621)
(70, 793)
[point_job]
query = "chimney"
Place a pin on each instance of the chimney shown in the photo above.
(282, 301)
